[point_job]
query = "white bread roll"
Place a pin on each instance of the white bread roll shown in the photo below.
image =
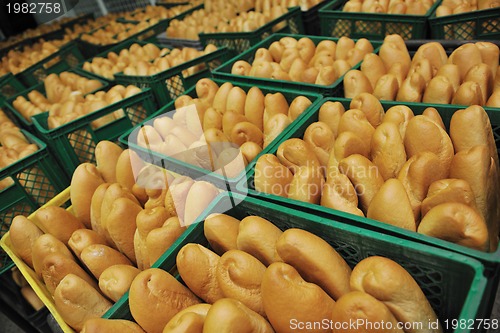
(400, 115)
(339, 193)
(315, 260)
(197, 267)
(115, 280)
(160, 239)
(402, 296)
(307, 184)
(95, 209)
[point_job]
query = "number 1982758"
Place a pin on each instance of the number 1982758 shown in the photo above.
(35, 8)
(471, 324)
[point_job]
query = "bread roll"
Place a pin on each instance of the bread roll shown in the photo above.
(206, 90)
(274, 127)
(98, 257)
(423, 134)
(189, 320)
(371, 107)
(365, 177)
(422, 67)
(125, 166)
(197, 267)
(43, 246)
(361, 306)
(451, 72)
(400, 71)
(321, 138)
(271, 176)
(254, 107)
(115, 280)
(56, 266)
(106, 155)
(175, 199)
(155, 288)
(457, 223)
(287, 298)
(239, 276)
(355, 121)
(373, 68)
(481, 74)
(86, 178)
(250, 150)
(434, 115)
(393, 51)
(149, 219)
(434, 53)
(402, 296)
(95, 209)
(388, 150)
(160, 239)
(448, 190)
(307, 184)
(400, 115)
(315, 260)
(355, 83)
(82, 238)
(469, 93)
(23, 234)
(298, 106)
(294, 153)
(412, 88)
(96, 325)
(439, 90)
(257, 236)
(489, 55)
(465, 57)
(221, 231)
(77, 301)
(58, 222)
(347, 143)
(339, 193)
(229, 315)
(200, 195)
(330, 114)
(275, 104)
(382, 208)
(386, 88)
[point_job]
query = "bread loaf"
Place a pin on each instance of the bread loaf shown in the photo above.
(402, 296)
(315, 260)
(339, 193)
(96, 325)
(189, 320)
(106, 155)
(330, 114)
(221, 231)
(95, 209)
(58, 222)
(86, 178)
(287, 298)
(271, 176)
(448, 190)
(157, 289)
(23, 234)
(388, 150)
(77, 301)
(98, 257)
(43, 246)
(257, 236)
(81, 238)
(115, 280)
(160, 239)
(197, 267)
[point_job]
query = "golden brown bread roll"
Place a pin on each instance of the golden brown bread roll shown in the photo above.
(434, 53)
(125, 166)
(200, 195)
(330, 114)
(371, 107)
(465, 57)
(347, 143)
(239, 276)
(423, 134)
(423, 67)
(365, 177)
(212, 119)
(481, 74)
(160, 239)
(307, 184)
(43, 246)
(451, 72)
(315, 260)
(56, 266)
(245, 131)
(95, 209)
(106, 155)
(175, 199)
(274, 127)
(469, 93)
(287, 298)
(448, 190)
(294, 153)
(382, 206)
(417, 174)
(81, 238)
(229, 120)
(274, 104)
(250, 150)
(373, 68)
(254, 107)
(355, 83)
(361, 306)
(77, 301)
(189, 320)
(58, 222)
(121, 225)
(393, 51)
(439, 90)
(147, 220)
(115, 280)
(197, 267)
(388, 150)
(354, 120)
(98, 257)
(402, 296)
(298, 106)
(221, 231)
(457, 223)
(86, 178)
(400, 115)
(229, 315)
(412, 88)
(271, 176)
(206, 90)
(489, 55)
(339, 193)
(386, 88)
(257, 236)
(96, 325)
(434, 115)
(158, 289)
(23, 234)
(321, 138)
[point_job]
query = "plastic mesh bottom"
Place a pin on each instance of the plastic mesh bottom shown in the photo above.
(344, 27)
(175, 86)
(136, 114)
(37, 184)
(8, 91)
(83, 145)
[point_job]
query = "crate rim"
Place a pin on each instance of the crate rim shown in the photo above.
(491, 260)
(457, 18)
(376, 16)
(272, 83)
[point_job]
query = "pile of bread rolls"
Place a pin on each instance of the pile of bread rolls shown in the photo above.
(59, 89)
(15, 61)
(221, 120)
(469, 76)
(302, 61)
(420, 7)
(226, 20)
(449, 7)
(159, 12)
(265, 5)
(124, 215)
(365, 159)
(257, 278)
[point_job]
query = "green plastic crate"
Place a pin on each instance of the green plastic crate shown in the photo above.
(74, 143)
(40, 87)
(238, 42)
(334, 89)
(82, 19)
(67, 57)
(310, 19)
(10, 86)
(37, 178)
(336, 23)
(129, 139)
(171, 83)
(479, 24)
(453, 284)
(491, 261)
